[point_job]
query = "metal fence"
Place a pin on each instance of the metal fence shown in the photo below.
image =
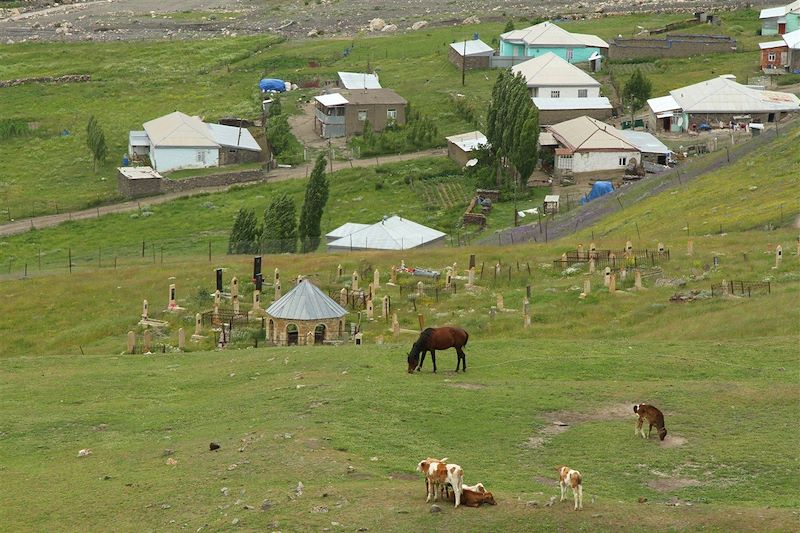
(613, 259)
(741, 288)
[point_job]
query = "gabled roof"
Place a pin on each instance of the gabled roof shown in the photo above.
(305, 302)
(792, 39)
(645, 142)
(468, 141)
(780, 11)
(548, 34)
(722, 95)
(771, 44)
(585, 134)
(393, 233)
(233, 137)
(359, 80)
(473, 47)
(345, 229)
(555, 104)
(180, 130)
(663, 104)
(551, 70)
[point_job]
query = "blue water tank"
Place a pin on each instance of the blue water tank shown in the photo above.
(125, 160)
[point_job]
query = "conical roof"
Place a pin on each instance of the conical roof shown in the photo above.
(305, 302)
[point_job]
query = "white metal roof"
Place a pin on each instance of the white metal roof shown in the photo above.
(329, 100)
(645, 142)
(181, 130)
(548, 34)
(359, 80)
(138, 138)
(546, 139)
(138, 173)
(663, 104)
(721, 95)
(468, 141)
(345, 229)
(234, 137)
(552, 198)
(585, 134)
(474, 47)
(780, 11)
(393, 233)
(305, 302)
(771, 44)
(551, 70)
(554, 104)
(792, 39)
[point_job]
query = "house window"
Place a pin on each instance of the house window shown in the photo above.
(623, 161)
(201, 157)
(555, 94)
(565, 162)
(771, 56)
(362, 115)
(391, 114)
(583, 93)
(569, 55)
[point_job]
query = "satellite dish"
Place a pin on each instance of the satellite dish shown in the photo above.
(472, 162)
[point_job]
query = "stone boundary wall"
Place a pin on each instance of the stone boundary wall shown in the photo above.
(137, 188)
(70, 78)
(671, 46)
(472, 62)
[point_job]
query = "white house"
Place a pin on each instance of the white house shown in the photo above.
(391, 233)
(588, 145)
(177, 140)
(550, 76)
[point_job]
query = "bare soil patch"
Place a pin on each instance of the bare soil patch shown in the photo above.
(559, 422)
(672, 441)
(468, 386)
(672, 483)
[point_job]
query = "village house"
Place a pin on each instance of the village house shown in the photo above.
(547, 37)
(463, 147)
(177, 141)
(562, 91)
(470, 54)
(717, 103)
(344, 113)
(782, 55)
(780, 20)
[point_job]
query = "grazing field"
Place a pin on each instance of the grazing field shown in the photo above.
(350, 425)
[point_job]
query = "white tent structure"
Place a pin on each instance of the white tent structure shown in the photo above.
(358, 80)
(392, 233)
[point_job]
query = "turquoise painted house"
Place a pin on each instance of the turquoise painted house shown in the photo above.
(547, 37)
(780, 20)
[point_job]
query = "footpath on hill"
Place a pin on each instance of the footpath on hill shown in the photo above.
(280, 174)
(587, 215)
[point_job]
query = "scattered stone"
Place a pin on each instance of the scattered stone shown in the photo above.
(550, 502)
(389, 28)
(435, 508)
(225, 491)
(419, 25)
(471, 20)
(319, 509)
(266, 505)
(166, 506)
(214, 446)
(531, 503)
(299, 489)
(313, 33)
(376, 24)
(85, 452)
(171, 462)
(234, 466)
(363, 529)
(248, 507)
(235, 522)
(350, 469)
(167, 452)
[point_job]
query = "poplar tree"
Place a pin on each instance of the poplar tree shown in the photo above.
(96, 141)
(280, 230)
(313, 207)
(244, 234)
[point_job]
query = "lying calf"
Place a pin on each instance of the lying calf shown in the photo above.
(474, 496)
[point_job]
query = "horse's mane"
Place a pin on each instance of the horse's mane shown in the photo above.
(421, 341)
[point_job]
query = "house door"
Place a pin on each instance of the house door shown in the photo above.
(291, 335)
(667, 123)
(319, 334)
(771, 117)
(781, 28)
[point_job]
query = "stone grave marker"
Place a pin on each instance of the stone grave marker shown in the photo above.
(395, 325)
(591, 266)
(131, 342)
(580, 250)
(172, 302)
(623, 274)
(144, 310)
(234, 286)
(385, 309)
(256, 301)
(421, 320)
(612, 259)
(343, 297)
(277, 275)
(370, 309)
(587, 288)
(628, 247)
(778, 255)
(690, 247)
(606, 276)
(564, 260)
(354, 281)
(612, 283)
(500, 303)
(394, 275)
(310, 338)
(277, 289)
(358, 338)
(339, 272)
(198, 324)
(471, 260)
(376, 279)
(420, 289)
(661, 248)
(235, 302)
(492, 312)
(471, 277)
(637, 280)
(181, 339)
(448, 278)
(148, 341)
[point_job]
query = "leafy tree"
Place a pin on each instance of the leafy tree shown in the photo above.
(280, 231)
(96, 140)
(244, 234)
(636, 92)
(275, 108)
(313, 206)
(279, 134)
(369, 136)
(509, 26)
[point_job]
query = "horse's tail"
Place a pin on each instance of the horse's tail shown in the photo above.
(466, 337)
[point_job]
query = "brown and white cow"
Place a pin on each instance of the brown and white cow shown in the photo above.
(568, 477)
(475, 496)
(438, 474)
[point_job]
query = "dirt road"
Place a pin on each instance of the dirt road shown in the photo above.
(280, 174)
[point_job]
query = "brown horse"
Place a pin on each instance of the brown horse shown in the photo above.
(433, 339)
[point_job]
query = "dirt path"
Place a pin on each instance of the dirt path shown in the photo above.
(281, 174)
(587, 215)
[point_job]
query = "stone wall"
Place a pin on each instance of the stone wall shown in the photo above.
(136, 188)
(670, 46)
(472, 62)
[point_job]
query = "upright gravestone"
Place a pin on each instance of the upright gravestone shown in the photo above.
(215, 316)
(339, 272)
(492, 312)
(587, 288)
(394, 275)
(198, 324)
(277, 290)
(358, 338)
(277, 275)
(172, 301)
(376, 279)
(580, 251)
(234, 286)
(448, 278)
(256, 301)
(623, 274)
(385, 309)
(500, 303)
(471, 277)
(497, 268)
(628, 247)
(343, 297)
(526, 312)
(591, 266)
(218, 273)
(564, 260)
(354, 281)
(471, 260)
(148, 341)
(181, 339)
(421, 320)
(637, 279)
(778, 255)
(606, 276)
(661, 248)
(690, 247)
(612, 283)
(395, 325)
(612, 259)
(725, 288)
(592, 250)
(235, 303)
(256, 267)
(144, 310)
(420, 289)
(310, 338)
(131, 342)
(370, 291)
(370, 309)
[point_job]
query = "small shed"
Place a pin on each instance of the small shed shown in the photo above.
(461, 148)
(305, 313)
(551, 203)
(470, 54)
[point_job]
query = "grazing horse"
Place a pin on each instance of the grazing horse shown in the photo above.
(433, 339)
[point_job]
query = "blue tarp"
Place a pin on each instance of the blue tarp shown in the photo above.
(599, 189)
(271, 84)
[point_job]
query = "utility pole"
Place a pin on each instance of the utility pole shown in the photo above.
(464, 64)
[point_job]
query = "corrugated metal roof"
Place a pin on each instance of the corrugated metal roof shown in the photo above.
(721, 95)
(645, 142)
(548, 34)
(663, 103)
(585, 134)
(179, 129)
(546, 139)
(359, 80)
(792, 39)
(551, 70)
(345, 229)
(555, 104)
(771, 12)
(138, 138)
(468, 141)
(329, 100)
(394, 233)
(771, 44)
(474, 47)
(305, 302)
(232, 136)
